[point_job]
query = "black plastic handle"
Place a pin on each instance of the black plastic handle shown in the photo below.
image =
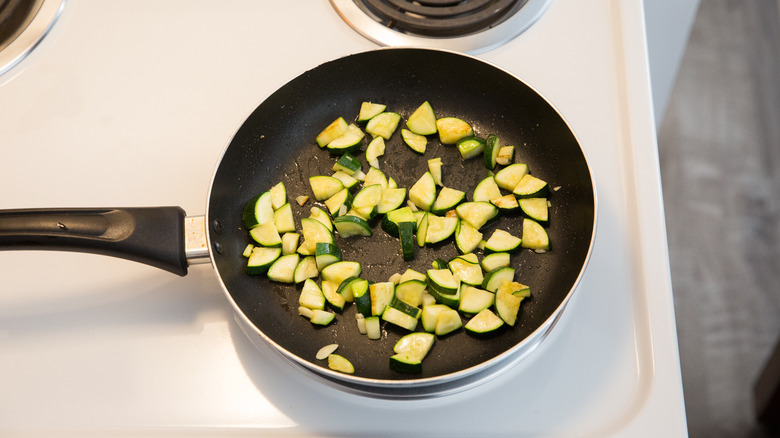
(154, 236)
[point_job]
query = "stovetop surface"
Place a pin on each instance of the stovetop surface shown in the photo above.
(130, 104)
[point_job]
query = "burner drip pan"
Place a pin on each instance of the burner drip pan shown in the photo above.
(470, 26)
(436, 18)
(23, 24)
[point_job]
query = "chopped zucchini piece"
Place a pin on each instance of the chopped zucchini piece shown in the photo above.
(502, 241)
(535, 208)
(368, 196)
(342, 198)
(491, 151)
(515, 288)
(505, 155)
(340, 271)
(535, 236)
(259, 210)
(417, 143)
(266, 235)
(373, 329)
(474, 300)
(423, 192)
(422, 229)
(508, 177)
(405, 363)
(467, 238)
(506, 204)
(434, 166)
(283, 269)
(346, 179)
(383, 124)
(486, 190)
(375, 176)
(430, 315)
(392, 199)
(411, 274)
(466, 271)
(307, 268)
(447, 199)
(368, 110)
(417, 345)
(261, 259)
(440, 228)
(507, 306)
(452, 129)
(530, 186)
(484, 322)
(361, 296)
(366, 213)
(290, 242)
(495, 278)
(350, 141)
(410, 351)
(447, 322)
(313, 231)
(375, 149)
(332, 297)
(340, 364)
(392, 218)
(278, 195)
(349, 226)
(348, 164)
(324, 186)
(470, 147)
(336, 129)
(423, 120)
(477, 214)
(284, 220)
(406, 236)
(443, 286)
(411, 291)
(311, 296)
(321, 317)
(326, 254)
(347, 288)
(495, 261)
(401, 314)
(381, 294)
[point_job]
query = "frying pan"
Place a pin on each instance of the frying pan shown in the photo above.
(276, 143)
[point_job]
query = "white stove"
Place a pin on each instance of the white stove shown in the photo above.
(130, 103)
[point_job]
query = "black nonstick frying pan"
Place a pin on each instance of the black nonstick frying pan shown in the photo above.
(276, 143)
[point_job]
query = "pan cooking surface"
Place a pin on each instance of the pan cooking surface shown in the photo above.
(276, 143)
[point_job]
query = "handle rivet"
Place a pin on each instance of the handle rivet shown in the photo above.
(217, 225)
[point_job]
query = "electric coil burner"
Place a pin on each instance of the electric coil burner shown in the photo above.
(464, 25)
(23, 24)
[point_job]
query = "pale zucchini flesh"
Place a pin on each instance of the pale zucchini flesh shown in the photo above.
(484, 322)
(452, 129)
(423, 120)
(337, 128)
(369, 110)
(383, 124)
(319, 214)
(423, 192)
(283, 269)
(417, 143)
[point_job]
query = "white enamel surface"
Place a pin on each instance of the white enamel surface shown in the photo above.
(131, 103)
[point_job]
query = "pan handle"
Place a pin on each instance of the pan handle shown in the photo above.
(154, 236)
